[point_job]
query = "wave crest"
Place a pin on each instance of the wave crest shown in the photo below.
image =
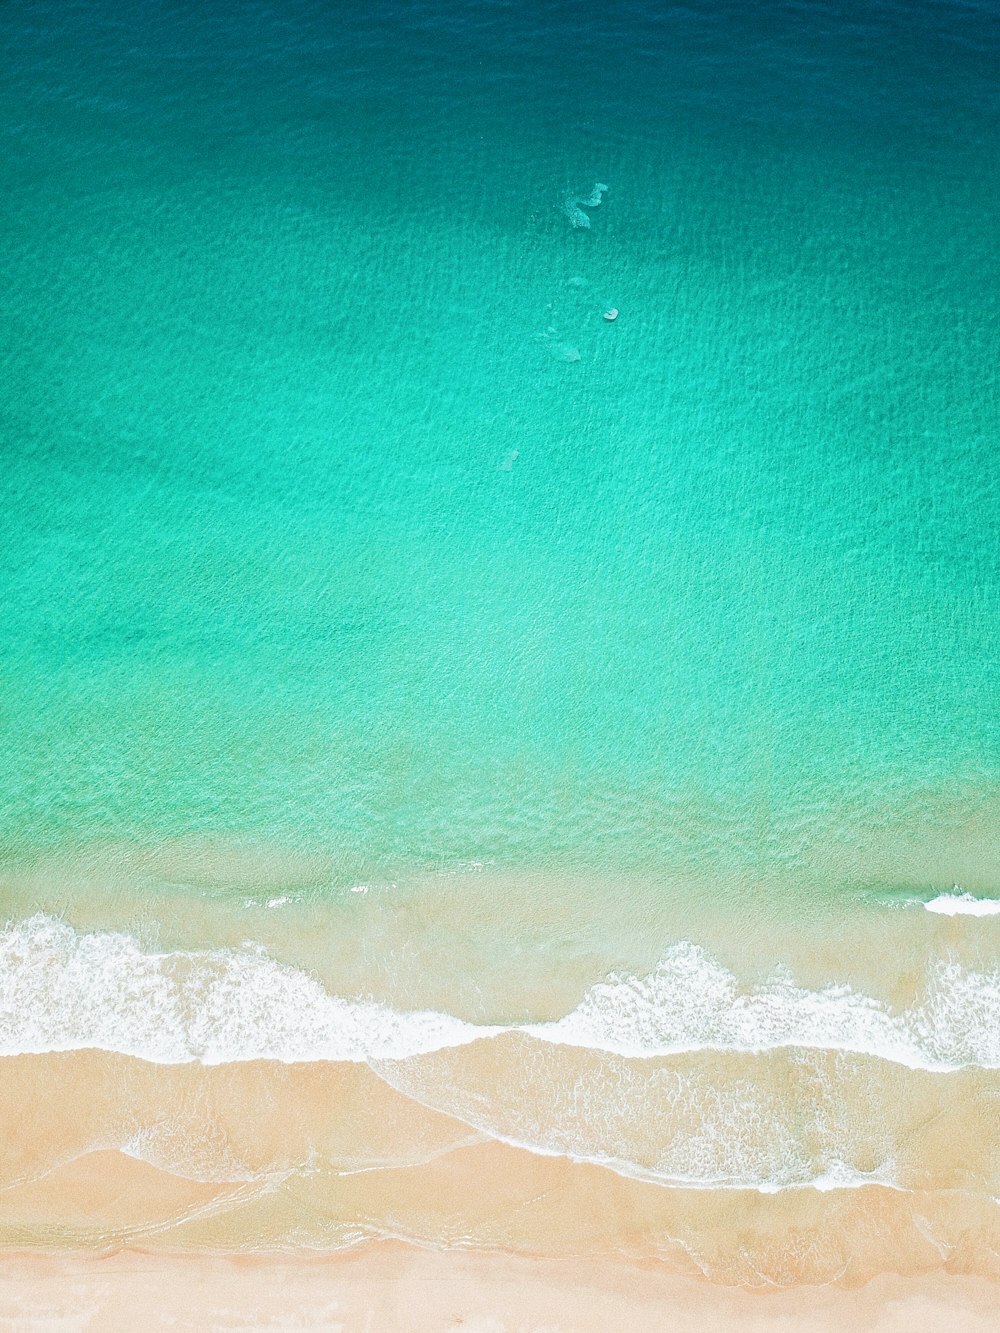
(61, 990)
(64, 991)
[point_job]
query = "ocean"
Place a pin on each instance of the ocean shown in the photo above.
(450, 735)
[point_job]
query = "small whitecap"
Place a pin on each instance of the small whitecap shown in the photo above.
(958, 903)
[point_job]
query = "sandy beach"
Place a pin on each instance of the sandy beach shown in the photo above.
(392, 1288)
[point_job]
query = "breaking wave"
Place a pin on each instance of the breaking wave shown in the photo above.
(958, 903)
(64, 991)
(61, 990)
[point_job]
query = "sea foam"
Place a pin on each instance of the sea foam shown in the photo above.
(62, 990)
(692, 1002)
(958, 903)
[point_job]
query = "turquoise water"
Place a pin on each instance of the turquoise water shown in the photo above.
(470, 770)
(337, 518)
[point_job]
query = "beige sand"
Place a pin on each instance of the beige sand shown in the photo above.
(391, 1288)
(102, 1153)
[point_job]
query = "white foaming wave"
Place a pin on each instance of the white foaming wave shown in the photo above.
(692, 1002)
(743, 1137)
(839, 1176)
(61, 990)
(958, 903)
(64, 991)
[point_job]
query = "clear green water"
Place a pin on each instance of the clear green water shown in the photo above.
(285, 293)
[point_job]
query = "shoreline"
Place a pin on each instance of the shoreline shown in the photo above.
(390, 1287)
(314, 1159)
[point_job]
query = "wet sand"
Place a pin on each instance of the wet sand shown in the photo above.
(105, 1153)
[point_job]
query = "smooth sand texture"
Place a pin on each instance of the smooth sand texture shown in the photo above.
(106, 1153)
(391, 1288)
